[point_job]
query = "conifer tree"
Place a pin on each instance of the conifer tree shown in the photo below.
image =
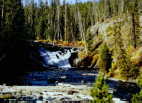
(1, 13)
(104, 58)
(13, 20)
(133, 9)
(99, 92)
(137, 98)
(108, 9)
(128, 70)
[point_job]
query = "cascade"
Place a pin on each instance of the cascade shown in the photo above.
(58, 59)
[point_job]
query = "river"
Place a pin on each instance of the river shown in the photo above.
(51, 65)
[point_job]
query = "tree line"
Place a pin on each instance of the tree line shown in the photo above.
(56, 21)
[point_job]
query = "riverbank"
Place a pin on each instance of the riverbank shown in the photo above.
(61, 93)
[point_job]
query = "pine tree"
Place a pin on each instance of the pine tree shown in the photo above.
(100, 92)
(104, 58)
(108, 9)
(137, 98)
(8, 14)
(134, 12)
(128, 70)
(19, 21)
(13, 20)
(1, 14)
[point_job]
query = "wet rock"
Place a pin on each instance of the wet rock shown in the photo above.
(85, 62)
(74, 59)
(71, 92)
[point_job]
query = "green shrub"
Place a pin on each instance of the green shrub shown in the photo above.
(137, 98)
(104, 58)
(100, 92)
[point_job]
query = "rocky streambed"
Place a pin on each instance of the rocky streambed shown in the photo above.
(54, 94)
(60, 93)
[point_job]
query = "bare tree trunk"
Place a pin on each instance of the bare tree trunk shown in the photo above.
(135, 24)
(33, 17)
(3, 10)
(108, 10)
(81, 29)
(134, 31)
(2, 13)
(65, 28)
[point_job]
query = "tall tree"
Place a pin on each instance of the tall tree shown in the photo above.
(127, 69)
(13, 20)
(137, 98)
(134, 11)
(104, 58)
(65, 18)
(19, 21)
(1, 13)
(99, 92)
(108, 9)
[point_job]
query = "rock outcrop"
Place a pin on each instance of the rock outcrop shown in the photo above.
(106, 32)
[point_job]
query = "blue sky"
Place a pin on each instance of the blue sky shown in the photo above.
(73, 1)
(69, 1)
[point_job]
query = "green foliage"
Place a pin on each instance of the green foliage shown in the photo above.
(58, 21)
(6, 96)
(46, 21)
(139, 81)
(127, 69)
(104, 58)
(13, 21)
(99, 92)
(53, 18)
(137, 98)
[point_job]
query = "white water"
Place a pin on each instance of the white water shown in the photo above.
(55, 58)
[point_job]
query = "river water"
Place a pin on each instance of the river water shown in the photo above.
(60, 71)
(57, 68)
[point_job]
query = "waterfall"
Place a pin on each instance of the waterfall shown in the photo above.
(58, 59)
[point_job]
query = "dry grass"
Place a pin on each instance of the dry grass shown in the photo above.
(137, 56)
(6, 96)
(64, 43)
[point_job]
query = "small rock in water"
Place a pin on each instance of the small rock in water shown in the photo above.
(71, 92)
